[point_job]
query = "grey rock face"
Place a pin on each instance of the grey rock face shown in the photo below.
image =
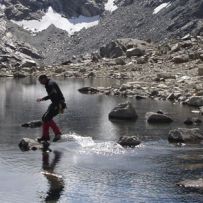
(183, 135)
(124, 111)
(33, 9)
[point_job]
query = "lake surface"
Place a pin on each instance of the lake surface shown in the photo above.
(87, 165)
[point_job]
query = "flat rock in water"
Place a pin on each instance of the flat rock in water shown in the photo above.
(192, 184)
(128, 141)
(124, 111)
(27, 144)
(88, 90)
(32, 124)
(153, 117)
(183, 135)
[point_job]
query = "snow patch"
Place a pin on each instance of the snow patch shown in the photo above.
(110, 6)
(160, 7)
(70, 25)
(2, 6)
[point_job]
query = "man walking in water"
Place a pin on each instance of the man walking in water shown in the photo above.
(57, 106)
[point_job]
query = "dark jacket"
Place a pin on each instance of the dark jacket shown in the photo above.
(54, 92)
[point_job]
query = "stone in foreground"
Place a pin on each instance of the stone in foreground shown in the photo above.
(183, 135)
(27, 144)
(128, 141)
(124, 111)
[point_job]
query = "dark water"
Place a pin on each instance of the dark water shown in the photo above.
(88, 165)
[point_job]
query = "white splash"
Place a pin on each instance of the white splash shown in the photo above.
(160, 7)
(86, 145)
(110, 6)
(70, 25)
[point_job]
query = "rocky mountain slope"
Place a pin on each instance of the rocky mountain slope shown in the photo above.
(132, 19)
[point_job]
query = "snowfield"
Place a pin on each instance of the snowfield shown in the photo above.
(52, 18)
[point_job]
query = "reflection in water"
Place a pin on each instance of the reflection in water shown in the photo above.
(56, 183)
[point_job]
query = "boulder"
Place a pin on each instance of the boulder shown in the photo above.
(196, 101)
(181, 58)
(28, 63)
(27, 144)
(128, 141)
(188, 121)
(112, 50)
(183, 135)
(153, 117)
(120, 61)
(88, 90)
(124, 111)
(135, 52)
(200, 71)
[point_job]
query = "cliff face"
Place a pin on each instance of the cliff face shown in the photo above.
(34, 9)
(157, 20)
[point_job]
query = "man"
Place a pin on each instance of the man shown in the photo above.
(57, 106)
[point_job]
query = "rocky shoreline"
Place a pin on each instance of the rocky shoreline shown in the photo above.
(171, 71)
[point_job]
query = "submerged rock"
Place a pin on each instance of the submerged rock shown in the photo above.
(185, 135)
(88, 90)
(128, 141)
(192, 184)
(32, 124)
(124, 111)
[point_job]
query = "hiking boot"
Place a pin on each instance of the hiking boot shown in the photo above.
(41, 139)
(57, 137)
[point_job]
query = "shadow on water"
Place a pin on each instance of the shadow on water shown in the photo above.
(55, 181)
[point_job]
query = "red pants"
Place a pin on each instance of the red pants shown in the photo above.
(47, 125)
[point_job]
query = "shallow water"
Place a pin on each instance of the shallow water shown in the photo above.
(88, 165)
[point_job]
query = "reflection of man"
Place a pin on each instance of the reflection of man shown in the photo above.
(56, 182)
(57, 106)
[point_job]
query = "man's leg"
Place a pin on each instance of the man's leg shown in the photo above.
(47, 118)
(56, 130)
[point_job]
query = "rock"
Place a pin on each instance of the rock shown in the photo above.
(128, 141)
(27, 144)
(192, 184)
(88, 90)
(135, 52)
(165, 76)
(153, 117)
(112, 50)
(197, 120)
(120, 61)
(196, 101)
(124, 111)
(188, 121)
(28, 63)
(91, 75)
(200, 71)
(185, 135)
(180, 58)
(32, 124)
(20, 75)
